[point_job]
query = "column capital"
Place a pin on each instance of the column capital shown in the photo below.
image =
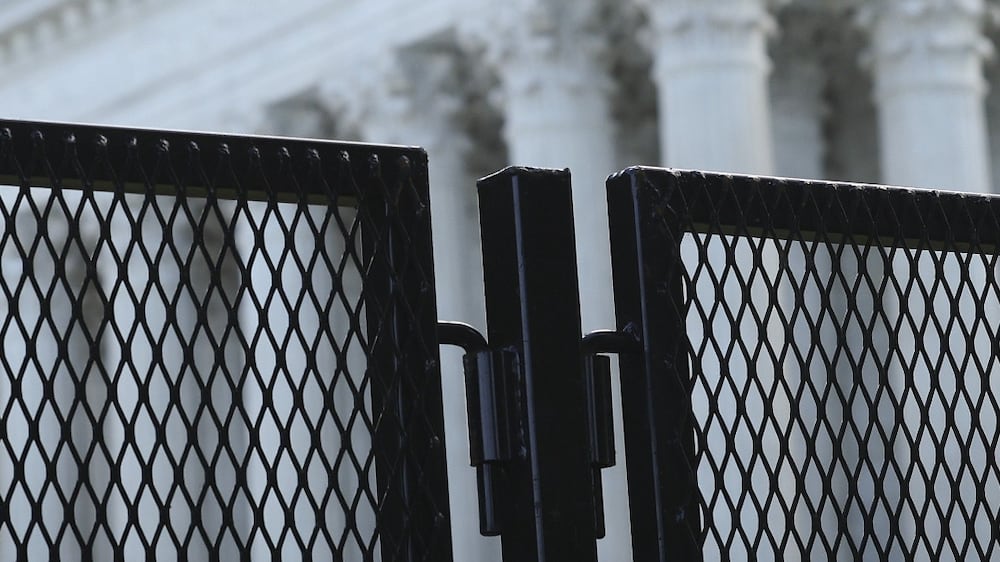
(534, 43)
(404, 99)
(710, 65)
(683, 15)
(904, 27)
(711, 32)
(869, 11)
(926, 44)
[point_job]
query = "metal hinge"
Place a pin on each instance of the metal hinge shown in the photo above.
(494, 403)
(493, 399)
(597, 384)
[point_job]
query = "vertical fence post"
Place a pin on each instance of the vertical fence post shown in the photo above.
(656, 384)
(533, 309)
(407, 410)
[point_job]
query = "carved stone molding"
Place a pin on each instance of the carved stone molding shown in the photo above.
(433, 94)
(687, 33)
(679, 16)
(561, 43)
(29, 31)
(926, 43)
(905, 27)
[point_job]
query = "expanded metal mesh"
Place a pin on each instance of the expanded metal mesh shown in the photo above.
(837, 357)
(216, 348)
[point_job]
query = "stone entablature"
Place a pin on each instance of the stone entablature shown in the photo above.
(29, 27)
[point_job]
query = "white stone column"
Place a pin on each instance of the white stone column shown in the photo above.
(259, 362)
(555, 98)
(397, 116)
(927, 59)
(417, 100)
(798, 113)
(711, 68)
(53, 348)
(799, 147)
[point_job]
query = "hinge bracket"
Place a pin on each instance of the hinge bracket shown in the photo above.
(492, 392)
(601, 428)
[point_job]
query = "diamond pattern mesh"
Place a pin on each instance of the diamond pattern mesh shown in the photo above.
(216, 348)
(838, 358)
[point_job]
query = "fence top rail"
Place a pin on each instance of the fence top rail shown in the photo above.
(810, 210)
(168, 162)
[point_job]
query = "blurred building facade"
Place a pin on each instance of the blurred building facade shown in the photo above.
(887, 91)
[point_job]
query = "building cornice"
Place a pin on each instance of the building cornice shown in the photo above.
(30, 28)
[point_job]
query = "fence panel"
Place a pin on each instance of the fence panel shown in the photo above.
(216, 347)
(819, 374)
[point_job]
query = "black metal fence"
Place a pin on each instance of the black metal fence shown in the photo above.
(818, 376)
(223, 347)
(808, 369)
(216, 347)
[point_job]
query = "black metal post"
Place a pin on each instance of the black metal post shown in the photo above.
(533, 309)
(408, 438)
(656, 383)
